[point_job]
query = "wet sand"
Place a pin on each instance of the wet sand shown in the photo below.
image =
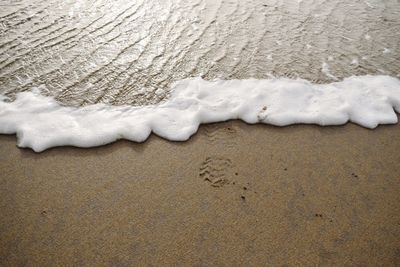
(233, 195)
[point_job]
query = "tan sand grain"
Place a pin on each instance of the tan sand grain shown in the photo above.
(233, 195)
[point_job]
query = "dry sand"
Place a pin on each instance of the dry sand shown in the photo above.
(233, 195)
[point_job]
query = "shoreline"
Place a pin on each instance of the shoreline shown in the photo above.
(203, 125)
(41, 122)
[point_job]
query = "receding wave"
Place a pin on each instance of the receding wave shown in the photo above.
(121, 52)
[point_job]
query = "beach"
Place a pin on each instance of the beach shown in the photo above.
(145, 133)
(233, 195)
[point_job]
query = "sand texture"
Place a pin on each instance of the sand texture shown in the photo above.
(233, 195)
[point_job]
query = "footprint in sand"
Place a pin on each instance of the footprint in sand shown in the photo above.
(215, 170)
(221, 134)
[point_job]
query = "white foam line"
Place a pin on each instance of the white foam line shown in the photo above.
(40, 122)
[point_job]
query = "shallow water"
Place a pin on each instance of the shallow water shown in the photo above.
(123, 52)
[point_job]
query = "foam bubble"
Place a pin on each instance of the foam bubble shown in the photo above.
(327, 71)
(40, 122)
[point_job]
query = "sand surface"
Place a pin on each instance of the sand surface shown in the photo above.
(233, 195)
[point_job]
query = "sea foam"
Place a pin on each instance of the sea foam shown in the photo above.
(40, 122)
